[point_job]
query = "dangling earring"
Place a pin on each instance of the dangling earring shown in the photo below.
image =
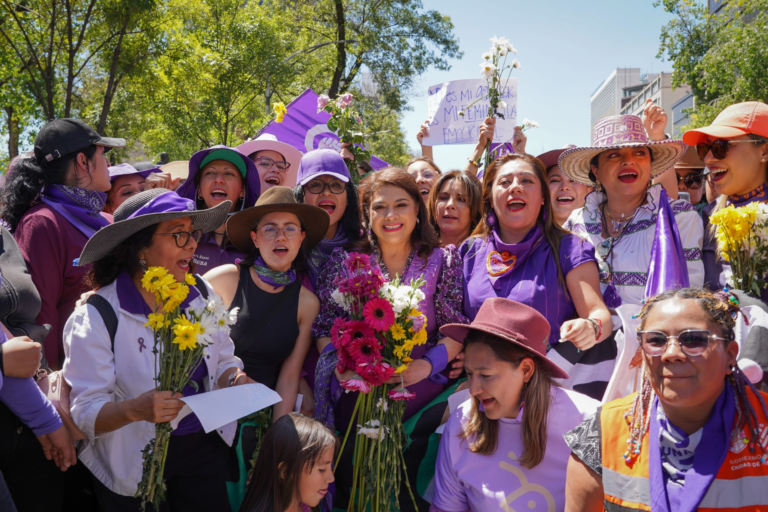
(598, 186)
(143, 264)
(490, 219)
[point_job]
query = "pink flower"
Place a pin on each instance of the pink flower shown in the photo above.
(354, 329)
(359, 121)
(337, 330)
(364, 350)
(322, 101)
(375, 374)
(361, 286)
(378, 313)
(356, 384)
(357, 262)
(418, 322)
(401, 394)
(344, 100)
(345, 361)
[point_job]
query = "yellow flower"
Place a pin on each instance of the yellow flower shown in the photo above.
(175, 296)
(157, 321)
(186, 336)
(407, 360)
(414, 312)
(420, 337)
(398, 351)
(153, 277)
(397, 332)
(280, 111)
(401, 368)
(190, 279)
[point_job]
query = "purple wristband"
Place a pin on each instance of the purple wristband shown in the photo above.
(438, 357)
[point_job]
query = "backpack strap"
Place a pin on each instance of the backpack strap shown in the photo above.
(108, 315)
(200, 285)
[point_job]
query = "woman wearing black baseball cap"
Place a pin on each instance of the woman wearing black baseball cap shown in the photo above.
(52, 203)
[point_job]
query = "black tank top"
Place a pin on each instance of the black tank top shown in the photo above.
(264, 358)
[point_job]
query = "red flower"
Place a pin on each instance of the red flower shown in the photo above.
(337, 331)
(401, 394)
(364, 350)
(378, 313)
(345, 361)
(375, 374)
(361, 286)
(357, 262)
(352, 330)
(356, 384)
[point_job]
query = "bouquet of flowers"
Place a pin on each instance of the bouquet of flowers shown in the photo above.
(742, 241)
(343, 122)
(180, 339)
(376, 341)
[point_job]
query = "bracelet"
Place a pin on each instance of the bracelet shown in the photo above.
(597, 325)
(233, 378)
(477, 163)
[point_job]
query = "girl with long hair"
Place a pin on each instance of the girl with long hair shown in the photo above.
(455, 206)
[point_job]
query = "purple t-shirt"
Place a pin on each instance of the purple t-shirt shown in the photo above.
(533, 279)
(210, 255)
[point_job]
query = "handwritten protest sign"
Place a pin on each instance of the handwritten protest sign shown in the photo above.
(446, 100)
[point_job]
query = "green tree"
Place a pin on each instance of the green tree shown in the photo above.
(723, 57)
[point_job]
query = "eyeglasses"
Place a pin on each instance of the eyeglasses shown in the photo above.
(692, 342)
(182, 237)
(720, 147)
(603, 250)
(318, 186)
(266, 164)
(692, 181)
(270, 232)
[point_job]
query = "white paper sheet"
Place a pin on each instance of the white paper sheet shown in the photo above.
(454, 401)
(217, 408)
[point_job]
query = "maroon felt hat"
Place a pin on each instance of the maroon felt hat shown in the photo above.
(550, 157)
(511, 321)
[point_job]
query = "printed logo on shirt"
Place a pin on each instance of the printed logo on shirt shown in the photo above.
(525, 488)
(199, 260)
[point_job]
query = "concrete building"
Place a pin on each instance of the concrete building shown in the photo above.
(658, 89)
(609, 97)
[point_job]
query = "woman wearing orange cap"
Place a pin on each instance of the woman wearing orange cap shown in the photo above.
(735, 150)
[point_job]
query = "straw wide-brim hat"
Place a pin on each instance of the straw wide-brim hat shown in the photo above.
(277, 199)
(618, 132)
(177, 169)
(109, 237)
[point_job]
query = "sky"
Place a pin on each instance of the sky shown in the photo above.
(566, 49)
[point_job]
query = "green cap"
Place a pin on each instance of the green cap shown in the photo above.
(227, 155)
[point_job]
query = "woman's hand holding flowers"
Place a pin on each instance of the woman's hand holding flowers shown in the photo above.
(156, 406)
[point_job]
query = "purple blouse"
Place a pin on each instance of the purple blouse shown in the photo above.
(442, 305)
(210, 254)
(533, 279)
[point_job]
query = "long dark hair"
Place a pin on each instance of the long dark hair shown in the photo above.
(534, 415)
(123, 257)
(350, 221)
(423, 236)
(474, 197)
(291, 447)
(27, 178)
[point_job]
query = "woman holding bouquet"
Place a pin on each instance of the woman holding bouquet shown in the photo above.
(735, 150)
(219, 174)
(113, 398)
(519, 252)
(402, 243)
(504, 447)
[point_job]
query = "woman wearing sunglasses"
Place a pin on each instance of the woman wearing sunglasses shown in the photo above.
(619, 218)
(693, 437)
(272, 333)
(735, 150)
(113, 398)
(216, 175)
(689, 171)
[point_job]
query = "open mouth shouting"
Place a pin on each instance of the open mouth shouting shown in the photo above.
(424, 190)
(515, 204)
(219, 194)
(272, 180)
(487, 402)
(280, 251)
(327, 205)
(717, 173)
(565, 200)
(392, 228)
(628, 176)
(184, 264)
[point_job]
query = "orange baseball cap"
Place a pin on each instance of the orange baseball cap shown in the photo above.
(738, 119)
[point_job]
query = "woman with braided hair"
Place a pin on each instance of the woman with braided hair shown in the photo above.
(693, 437)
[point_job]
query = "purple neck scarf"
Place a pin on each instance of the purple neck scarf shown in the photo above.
(81, 207)
(273, 277)
(760, 194)
(707, 460)
(502, 258)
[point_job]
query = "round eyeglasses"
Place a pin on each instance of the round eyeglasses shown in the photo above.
(270, 232)
(318, 186)
(182, 237)
(693, 342)
(266, 164)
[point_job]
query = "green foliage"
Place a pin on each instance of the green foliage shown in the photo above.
(723, 57)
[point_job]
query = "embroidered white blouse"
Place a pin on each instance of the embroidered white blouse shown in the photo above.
(631, 254)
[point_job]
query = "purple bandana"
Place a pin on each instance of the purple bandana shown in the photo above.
(273, 277)
(165, 203)
(502, 258)
(81, 207)
(668, 496)
(760, 194)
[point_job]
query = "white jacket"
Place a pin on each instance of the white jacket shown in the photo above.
(98, 376)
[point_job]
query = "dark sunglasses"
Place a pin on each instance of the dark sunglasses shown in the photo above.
(182, 237)
(719, 147)
(692, 342)
(692, 181)
(604, 250)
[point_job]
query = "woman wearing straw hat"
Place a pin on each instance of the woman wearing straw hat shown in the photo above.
(276, 161)
(504, 447)
(113, 398)
(273, 330)
(219, 174)
(567, 194)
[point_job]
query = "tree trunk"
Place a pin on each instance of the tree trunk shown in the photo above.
(341, 50)
(112, 82)
(13, 133)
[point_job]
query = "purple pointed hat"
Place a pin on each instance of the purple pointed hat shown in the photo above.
(668, 269)
(252, 182)
(616, 132)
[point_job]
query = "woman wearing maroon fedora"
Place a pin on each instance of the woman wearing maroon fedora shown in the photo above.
(504, 447)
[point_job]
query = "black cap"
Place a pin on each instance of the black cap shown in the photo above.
(63, 137)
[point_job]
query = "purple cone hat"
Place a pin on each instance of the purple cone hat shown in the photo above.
(668, 269)
(619, 132)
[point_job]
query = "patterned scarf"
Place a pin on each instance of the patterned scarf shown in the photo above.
(322, 251)
(81, 207)
(760, 194)
(273, 277)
